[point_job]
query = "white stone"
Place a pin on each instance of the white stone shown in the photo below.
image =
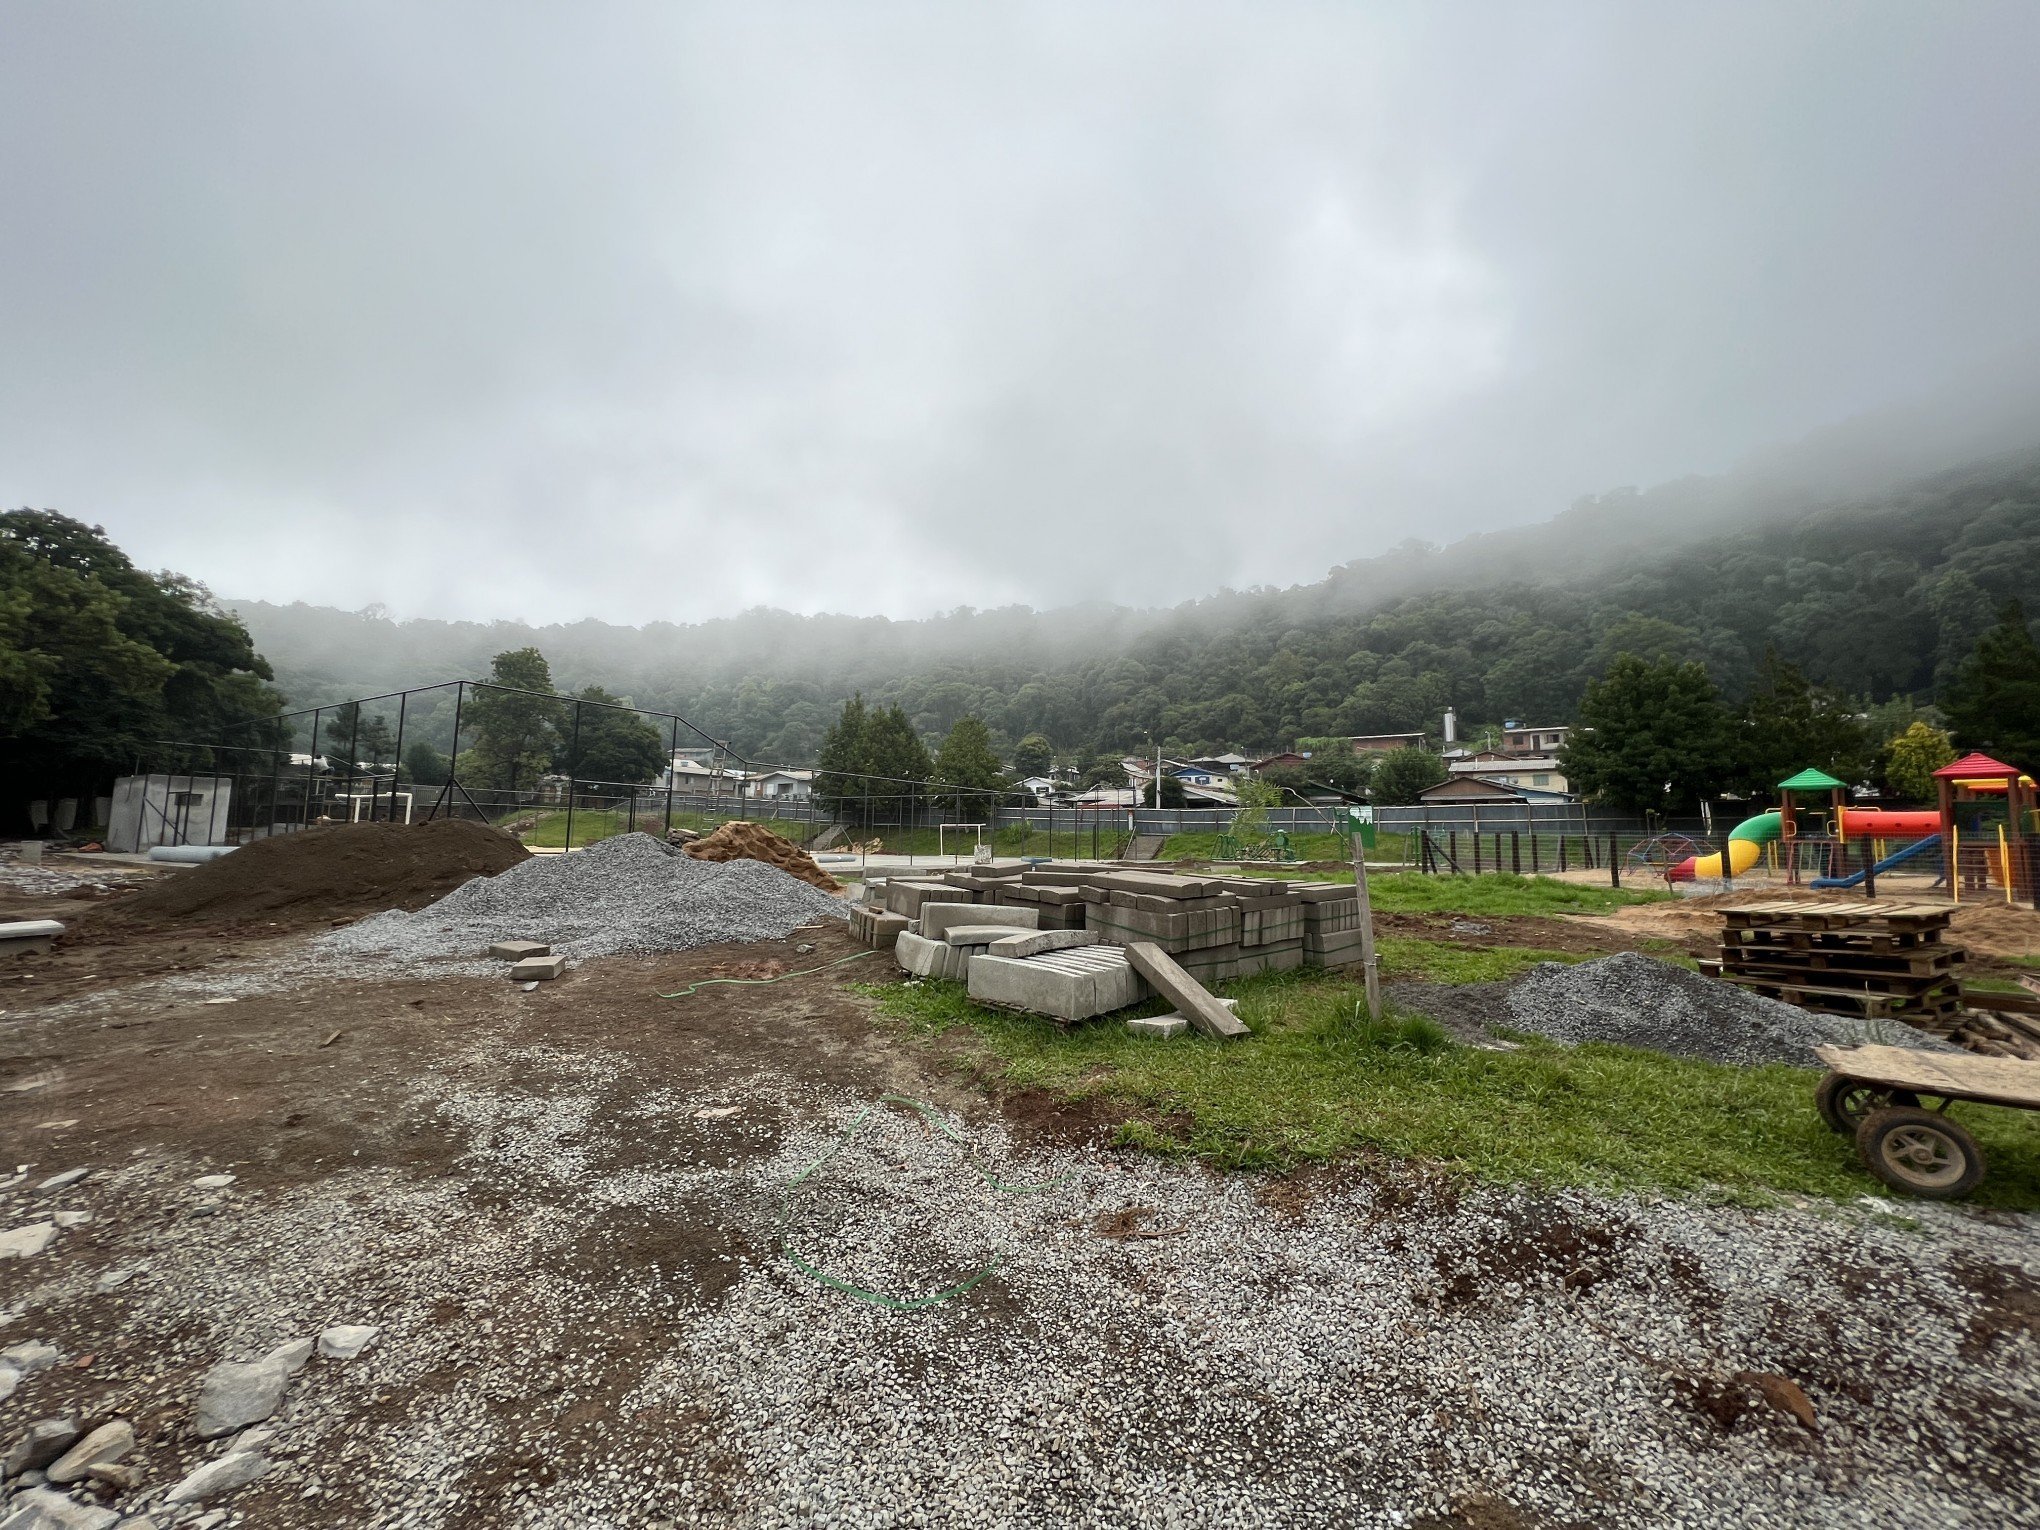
(222, 1476)
(30, 1357)
(59, 1181)
(108, 1443)
(40, 1509)
(27, 1242)
(115, 1278)
(235, 1395)
(70, 1219)
(344, 1341)
(1163, 1026)
(212, 1181)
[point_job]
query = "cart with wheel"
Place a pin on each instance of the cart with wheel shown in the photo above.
(1877, 1096)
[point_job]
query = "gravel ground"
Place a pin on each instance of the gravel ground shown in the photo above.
(629, 894)
(1361, 1352)
(1633, 1000)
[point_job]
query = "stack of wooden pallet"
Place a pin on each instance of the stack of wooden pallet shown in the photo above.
(1871, 960)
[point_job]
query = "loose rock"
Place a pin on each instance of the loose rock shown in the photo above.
(212, 1182)
(344, 1341)
(27, 1242)
(222, 1476)
(60, 1181)
(38, 1445)
(235, 1395)
(108, 1443)
(30, 1357)
(40, 1509)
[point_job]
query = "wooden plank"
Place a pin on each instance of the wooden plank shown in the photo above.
(1997, 1080)
(1184, 991)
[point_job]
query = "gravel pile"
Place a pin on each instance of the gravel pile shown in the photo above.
(1634, 1001)
(630, 894)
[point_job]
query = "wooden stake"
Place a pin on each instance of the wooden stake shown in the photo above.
(1369, 967)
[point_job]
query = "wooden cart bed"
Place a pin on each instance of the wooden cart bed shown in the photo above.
(1950, 1075)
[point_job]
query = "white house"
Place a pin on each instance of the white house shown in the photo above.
(1041, 788)
(781, 785)
(688, 774)
(1531, 772)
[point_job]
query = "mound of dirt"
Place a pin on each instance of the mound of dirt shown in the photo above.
(338, 872)
(739, 840)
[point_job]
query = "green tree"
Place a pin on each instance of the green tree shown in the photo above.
(898, 761)
(842, 771)
(1256, 795)
(424, 765)
(102, 663)
(516, 735)
(1401, 774)
(1652, 737)
(1033, 756)
(1171, 791)
(1789, 724)
(346, 738)
(1994, 704)
(967, 777)
(1912, 759)
(619, 747)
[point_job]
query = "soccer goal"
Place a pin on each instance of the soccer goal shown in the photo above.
(981, 847)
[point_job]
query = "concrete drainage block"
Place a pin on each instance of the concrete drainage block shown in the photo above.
(1165, 1026)
(538, 969)
(519, 950)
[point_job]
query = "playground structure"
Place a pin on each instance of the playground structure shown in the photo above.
(1982, 840)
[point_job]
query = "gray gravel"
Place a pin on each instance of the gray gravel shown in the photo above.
(630, 894)
(1634, 1001)
(1392, 1351)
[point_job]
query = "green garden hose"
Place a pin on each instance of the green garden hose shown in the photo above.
(854, 956)
(879, 1298)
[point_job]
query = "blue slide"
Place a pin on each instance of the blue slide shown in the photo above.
(1896, 858)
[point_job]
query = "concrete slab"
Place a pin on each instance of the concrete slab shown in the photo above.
(537, 969)
(1020, 947)
(976, 934)
(1162, 1027)
(937, 919)
(21, 936)
(1069, 985)
(1184, 991)
(518, 950)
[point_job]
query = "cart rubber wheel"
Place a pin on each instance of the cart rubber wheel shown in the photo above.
(1921, 1152)
(1843, 1102)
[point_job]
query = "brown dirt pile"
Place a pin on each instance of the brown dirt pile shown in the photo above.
(325, 874)
(738, 840)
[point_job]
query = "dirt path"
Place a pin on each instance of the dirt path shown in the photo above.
(567, 1212)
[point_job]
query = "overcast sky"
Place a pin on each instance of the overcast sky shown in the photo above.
(663, 311)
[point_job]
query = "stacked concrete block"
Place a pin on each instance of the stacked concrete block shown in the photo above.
(1069, 985)
(918, 956)
(1061, 907)
(906, 898)
(1331, 926)
(875, 927)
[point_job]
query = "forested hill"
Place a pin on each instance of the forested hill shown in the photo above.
(1874, 594)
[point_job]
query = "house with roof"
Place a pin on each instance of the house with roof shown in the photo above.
(1480, 791)
(1533, 772)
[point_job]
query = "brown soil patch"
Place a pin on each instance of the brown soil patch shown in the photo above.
(738, 840)
(1565, 932)
(324, 875)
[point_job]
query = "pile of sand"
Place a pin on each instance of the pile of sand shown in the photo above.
(324, 874)
(739, 840)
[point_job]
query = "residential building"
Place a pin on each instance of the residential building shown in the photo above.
(1481, 790)
(1382, 743)
(1518, 739)
(1289, 759)
(781, 785)
(1539, 772)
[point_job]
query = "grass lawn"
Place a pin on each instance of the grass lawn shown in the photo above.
(1311, 1084)
(1501, 894)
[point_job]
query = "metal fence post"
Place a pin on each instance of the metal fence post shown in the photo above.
(397, 770)
(672, 749)
(1614, 862)
(1870, 868)
(573, 770)
(311, 766)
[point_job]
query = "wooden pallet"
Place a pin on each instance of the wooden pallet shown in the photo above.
(1833, 940)
(1924, 963)
(1863, 1003)
(1838, 916)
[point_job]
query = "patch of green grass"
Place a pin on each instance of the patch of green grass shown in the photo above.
(1992, 985)
(1312, 1084)
(1445, 961)
(1308, 847)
